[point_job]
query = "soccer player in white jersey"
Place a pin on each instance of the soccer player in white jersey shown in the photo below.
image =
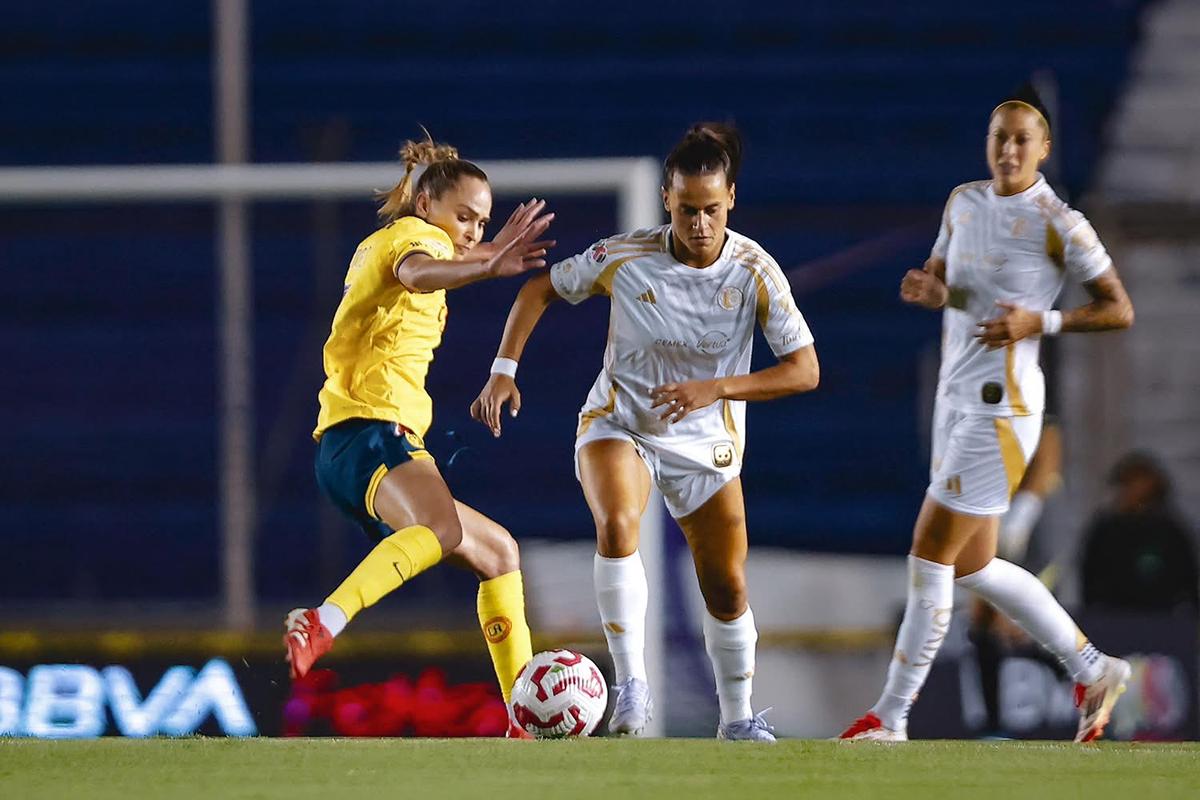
(669, 407)
(1000, 260)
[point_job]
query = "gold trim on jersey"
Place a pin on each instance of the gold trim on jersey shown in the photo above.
(1016, 400)
(755, 256)
(1010, 453)
(604, 280)
(957, 190)
(763, 297)
(731, 426)
(373, 489)
(588, 417)
(1055, 249)
(648, 242)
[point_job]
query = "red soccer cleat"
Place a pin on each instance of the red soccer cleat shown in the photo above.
(1095, 702)
(306, 640)
(870, 728)
(515, 731)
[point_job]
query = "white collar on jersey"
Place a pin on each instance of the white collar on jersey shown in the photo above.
(669, 250)
(1013, 198)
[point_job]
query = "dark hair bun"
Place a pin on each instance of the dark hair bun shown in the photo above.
(706, 147)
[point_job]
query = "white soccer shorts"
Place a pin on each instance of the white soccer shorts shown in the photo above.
(687, 471)
(978, 460)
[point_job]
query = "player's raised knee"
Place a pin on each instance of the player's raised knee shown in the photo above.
(724, 592)
(617, 532)
(448, 531)
(507, 552)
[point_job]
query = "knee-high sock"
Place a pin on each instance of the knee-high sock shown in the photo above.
(926, 621)
(501, 607)
(1016, 593)
(622, 596)
(730, 647)
(398, 558)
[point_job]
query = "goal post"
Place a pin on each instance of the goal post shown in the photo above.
(232, 187)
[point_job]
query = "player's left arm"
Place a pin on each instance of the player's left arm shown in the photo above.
(796, 372)
(1110, 309)
(1085, 259)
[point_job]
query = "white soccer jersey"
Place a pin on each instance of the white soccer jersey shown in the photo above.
(671, 323)
(1017, 249)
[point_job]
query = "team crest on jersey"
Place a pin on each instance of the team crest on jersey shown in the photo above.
(599, 253)
(722, 455)
(730, 298)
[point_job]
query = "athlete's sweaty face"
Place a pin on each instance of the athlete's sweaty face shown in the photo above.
(699, 206)
(1017, 144)
(462, 212)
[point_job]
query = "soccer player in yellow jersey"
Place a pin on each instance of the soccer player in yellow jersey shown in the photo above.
(374, 409)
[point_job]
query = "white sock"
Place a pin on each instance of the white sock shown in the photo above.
(622, 596)
(332, 617)
(1027, 602)
(730, 647)
(926, 621)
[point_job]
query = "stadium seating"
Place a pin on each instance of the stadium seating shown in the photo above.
(858, 124)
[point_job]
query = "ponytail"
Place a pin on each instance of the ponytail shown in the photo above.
(706, 147)
(444, 168)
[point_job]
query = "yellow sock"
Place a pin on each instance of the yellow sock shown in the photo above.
(502, 615)
(398, 558)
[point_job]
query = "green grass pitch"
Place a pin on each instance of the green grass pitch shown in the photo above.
(596, 768)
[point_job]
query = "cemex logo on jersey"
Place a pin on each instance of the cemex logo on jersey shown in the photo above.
(68, 701)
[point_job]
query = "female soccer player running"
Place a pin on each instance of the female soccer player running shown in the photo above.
(669, 405)
(999, 262)
(374, 408)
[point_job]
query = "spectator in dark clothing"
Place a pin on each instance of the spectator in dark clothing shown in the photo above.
(1138, 554)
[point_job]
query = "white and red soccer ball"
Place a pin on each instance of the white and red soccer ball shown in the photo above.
(559, 693)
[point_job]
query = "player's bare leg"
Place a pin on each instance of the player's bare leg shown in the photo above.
(616, 485)
(716, 534)
(414, 501)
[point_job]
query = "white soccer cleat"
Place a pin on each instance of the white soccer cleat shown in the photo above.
(1095, 702)
(869, 728)
(633, 709)
(754, 729)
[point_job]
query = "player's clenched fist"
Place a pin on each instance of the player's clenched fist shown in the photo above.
(923, 289)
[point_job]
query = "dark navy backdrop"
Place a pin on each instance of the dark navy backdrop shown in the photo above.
(858, 123)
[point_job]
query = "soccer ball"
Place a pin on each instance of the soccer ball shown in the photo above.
(559, 693)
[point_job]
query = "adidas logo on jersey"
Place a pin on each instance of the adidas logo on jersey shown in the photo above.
(648, 297)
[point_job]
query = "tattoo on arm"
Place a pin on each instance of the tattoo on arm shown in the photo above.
(1110, 308)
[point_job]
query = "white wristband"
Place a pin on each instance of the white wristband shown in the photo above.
(505, 366)
(1051, 322)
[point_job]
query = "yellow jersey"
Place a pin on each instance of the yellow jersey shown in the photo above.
(383, 337)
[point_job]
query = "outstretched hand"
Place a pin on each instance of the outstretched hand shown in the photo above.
(516, 247)
(1012, 326)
